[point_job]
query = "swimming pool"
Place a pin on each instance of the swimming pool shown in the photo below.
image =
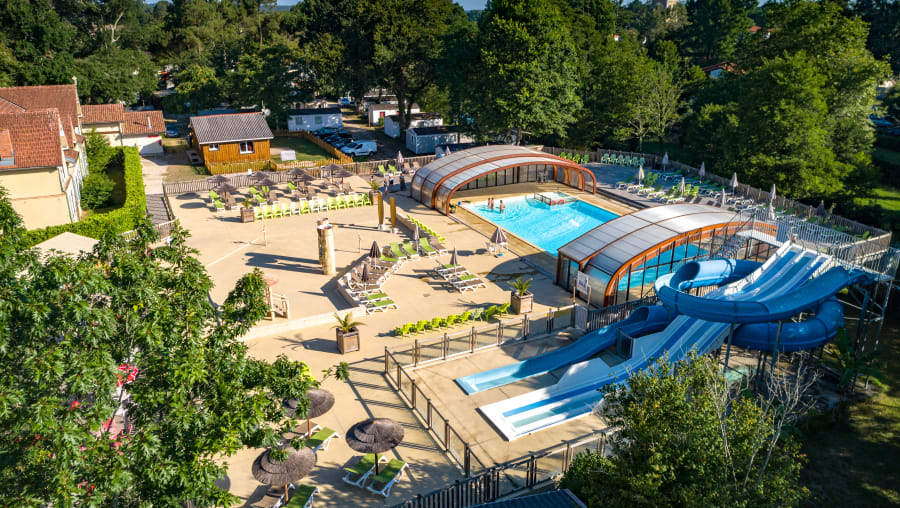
(548, 227)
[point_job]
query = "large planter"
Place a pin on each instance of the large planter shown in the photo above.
(347, 342)
(247, 215)
(521, 304)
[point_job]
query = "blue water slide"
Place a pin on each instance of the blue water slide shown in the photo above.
(808, 334)
(642, 320)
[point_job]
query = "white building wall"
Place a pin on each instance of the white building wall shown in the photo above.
(149, 144)
(314, 122)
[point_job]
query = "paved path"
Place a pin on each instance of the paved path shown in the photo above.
(154, 172)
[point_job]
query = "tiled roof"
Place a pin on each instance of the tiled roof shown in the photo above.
(230, 128)
(102, 113)
(6, 148)
(63, 98)
(35, 138)
(136, 122)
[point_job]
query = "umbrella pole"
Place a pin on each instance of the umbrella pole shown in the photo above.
(376, 464)
(308, 428)
(286, 493)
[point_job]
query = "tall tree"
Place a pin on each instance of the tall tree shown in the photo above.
(528, 66)
(187, 391)
(663, 98)
(264, 79)
(714, 27)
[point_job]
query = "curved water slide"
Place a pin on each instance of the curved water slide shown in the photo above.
(579, 388)
(642, 321)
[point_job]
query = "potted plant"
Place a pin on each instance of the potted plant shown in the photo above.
(346, 333)
(521, 300)
(247, 211)
(373, 186)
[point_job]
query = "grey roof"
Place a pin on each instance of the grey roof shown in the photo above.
(418, 116)
(388, 107)
(436, 129)
(230, 128)
(554, 499)
(315, 111)
(613, 243)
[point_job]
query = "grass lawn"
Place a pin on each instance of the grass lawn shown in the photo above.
(306, 151)
(184, 172)
(854, 461)
(117, 174)
(175, 144)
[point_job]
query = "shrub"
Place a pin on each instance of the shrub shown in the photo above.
(98, 151)
(118, 220)
(97, 190)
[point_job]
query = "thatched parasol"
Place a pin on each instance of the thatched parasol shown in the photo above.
(320, 401)
(305, 177)
(375, 251)
(454, 258)
(342, 173)
(259, 175)
(295, 466)
(330, 169)
(771, 212)
(724, 199)
(266, 182)
(399, 158)
(218, 179)
(375, 435)
(225, 187)
(681, 186)
(734, 181)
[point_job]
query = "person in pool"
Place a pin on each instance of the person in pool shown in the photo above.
(502, 206)
(491, 203)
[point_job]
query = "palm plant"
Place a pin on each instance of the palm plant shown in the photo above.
(346, 323)
(521, 286)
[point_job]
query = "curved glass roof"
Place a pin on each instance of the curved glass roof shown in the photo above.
(436, 182)
(614, 243)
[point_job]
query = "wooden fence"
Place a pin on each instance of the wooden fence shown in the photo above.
(338, 155)
(806, 212)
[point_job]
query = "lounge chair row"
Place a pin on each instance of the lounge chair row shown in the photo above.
(300, 496)
(459, 277)
(359, 474)
(426, 229)
(622, 160)
(442, 323)
(577, 158)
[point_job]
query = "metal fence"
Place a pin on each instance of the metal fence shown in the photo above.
(606, 316)
(511, 477)
(163, 229)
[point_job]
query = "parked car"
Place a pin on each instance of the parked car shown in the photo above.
(362, 147)
(172, 132)
(341, 143)
(347, 101)
(327, 131)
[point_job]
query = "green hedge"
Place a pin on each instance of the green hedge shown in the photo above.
(119, 220)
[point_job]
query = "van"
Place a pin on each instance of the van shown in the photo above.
(361, 147)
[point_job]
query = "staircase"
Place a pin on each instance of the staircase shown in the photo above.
(156, 207)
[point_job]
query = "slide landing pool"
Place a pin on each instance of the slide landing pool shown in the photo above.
(751, 295)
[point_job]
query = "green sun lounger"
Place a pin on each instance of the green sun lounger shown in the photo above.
(322, 439)
(426, 249)
(362, 469)
(410, 250)
(385, 480)
(397, 251)
(302, 496)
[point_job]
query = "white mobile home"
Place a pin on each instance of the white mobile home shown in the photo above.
(313, 119)
(422, 140)
(392, 123)
(380, 111)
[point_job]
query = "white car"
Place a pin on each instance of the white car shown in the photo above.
(362, 147)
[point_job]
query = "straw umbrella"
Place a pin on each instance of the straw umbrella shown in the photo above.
(331, 169)
(375, 251)
(375, 435)
(259, 175)
(770, 215)
(320, 401)
(342, 173)
(640, 174)
(217, 179)
(295, 466)
(225, 187)
(454, 258)
(724, 199)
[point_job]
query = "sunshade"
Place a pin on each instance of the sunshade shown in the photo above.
(702, 171)
(375, 435)
(399, 158)
(771, 212)
(217, 179)
(734, 180)
(225, 187)
(640, 173)
(499, 236)
(294, 467)
(416, 234)
(665, 159)
(375, 251)
(681, 186)
(723, 198)
(454, 258)
(772, 193)
(259, 175)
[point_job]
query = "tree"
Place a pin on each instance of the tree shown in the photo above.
(39, 40)
(196, 88)
(186, 389)
(663, 99)
(684, 438)
(264, 79)
(527, 65)
(116, 75)
(715, 26)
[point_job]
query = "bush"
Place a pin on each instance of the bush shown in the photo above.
(118, 220)
(97, 190)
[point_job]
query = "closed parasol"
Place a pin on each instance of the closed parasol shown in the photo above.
(454, 258)
(640, 174)
(375, 251)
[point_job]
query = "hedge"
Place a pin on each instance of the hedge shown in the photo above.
(119, 220)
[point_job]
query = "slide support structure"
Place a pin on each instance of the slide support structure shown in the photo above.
(775, 348)
(728, 347)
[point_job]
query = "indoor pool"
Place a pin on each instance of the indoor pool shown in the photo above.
(548, 227)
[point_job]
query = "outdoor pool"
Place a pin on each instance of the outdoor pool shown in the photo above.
(548, 227)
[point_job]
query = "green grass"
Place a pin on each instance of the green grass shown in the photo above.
(853, 460)
(175, 144)
(117, 198)
(184, 172)
(306, 151)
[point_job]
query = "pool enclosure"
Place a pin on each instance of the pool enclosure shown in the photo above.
(493, 165)
(624, 257)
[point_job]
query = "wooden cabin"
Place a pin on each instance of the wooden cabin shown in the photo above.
(230, 138)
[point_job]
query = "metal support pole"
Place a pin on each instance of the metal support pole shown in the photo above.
(861, 324)
(775, 349)
(467, 462)
(387, 367)
(728, 347)
(412, 397)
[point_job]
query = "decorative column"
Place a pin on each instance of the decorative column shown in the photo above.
(326, 246)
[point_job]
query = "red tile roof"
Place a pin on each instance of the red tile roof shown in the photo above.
(35, 138)
(6, 149)
(136, 122)
(63, 98)
(102, 113)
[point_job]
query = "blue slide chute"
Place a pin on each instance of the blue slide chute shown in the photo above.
(642, 321)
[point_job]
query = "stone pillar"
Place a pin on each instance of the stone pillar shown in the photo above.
(326, 246)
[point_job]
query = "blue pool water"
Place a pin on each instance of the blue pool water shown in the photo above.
(548, 227)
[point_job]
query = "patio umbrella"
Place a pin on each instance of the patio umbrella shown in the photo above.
(297, 172)
(304, 177)
(499, 236)
(416, 234)
(295, 466)
(225, 187)
(820, 210)
(454, 258)
(266, 182)
(770, 215)
(665, 160)
(399, 158)
(331, 169)
(772, 194)
(640, 173)
(364, 276)
(681, 186)
(342, 173)
(446, 150)
(320, 401)
(724, 203)
(375, 435)
(217, 179)
(375, 251)
(702, 171)
(734, 181)
(259, 175)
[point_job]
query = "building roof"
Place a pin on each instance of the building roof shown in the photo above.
(63, 98)
(435, 183)
(102, 113)
(143, 122)
(6, 148)
(315, 111)
(389, 107)
(67, 243)
(34, 137)
(614, 243)
(436, 129)
(562, 498)
(230, 128)
(417, 116)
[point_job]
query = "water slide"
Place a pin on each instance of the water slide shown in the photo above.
(773, 283)
(642, 321)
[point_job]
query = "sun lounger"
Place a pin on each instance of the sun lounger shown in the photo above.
(274, 497)
(377, 296)
(469, 284)
(437, 245)
(302, 496)
(426, 249)
(321, 439)
(411, 252)
(362, 469)
(381, 305)
(398, 252)
(385, 480)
